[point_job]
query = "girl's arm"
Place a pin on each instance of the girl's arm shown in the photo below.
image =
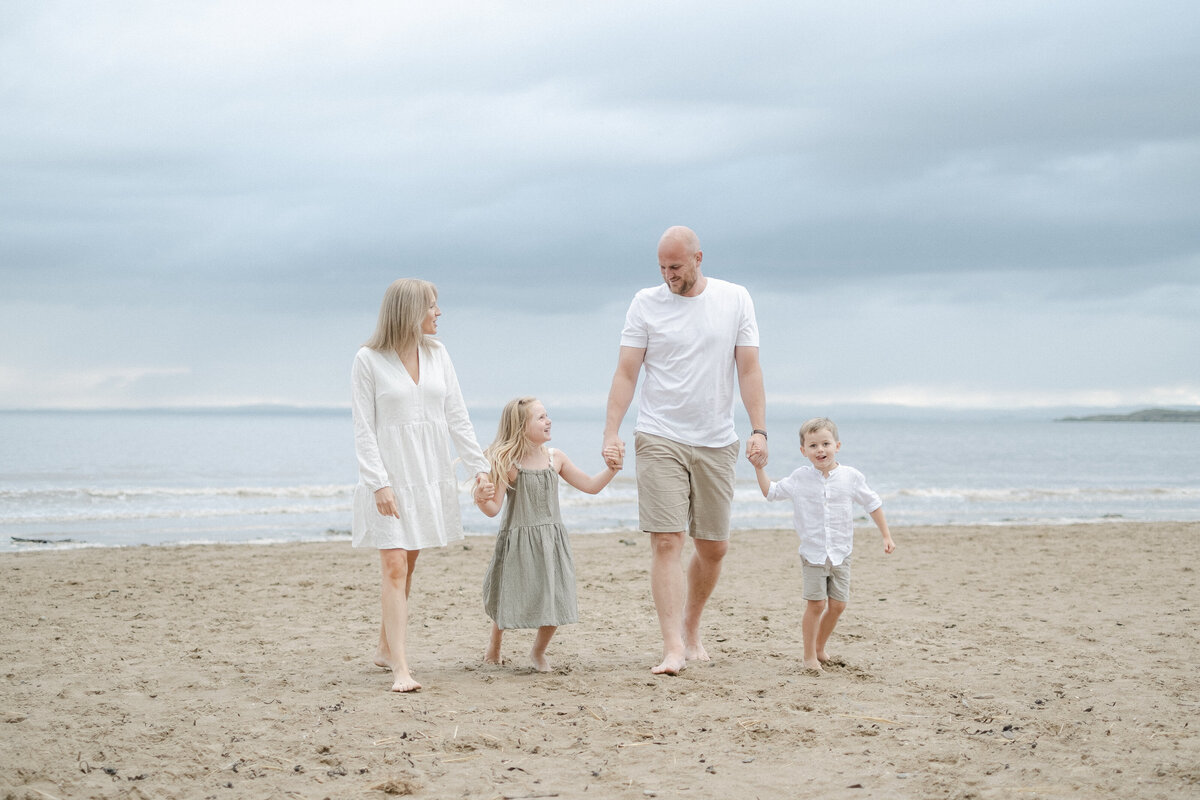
(580, 479)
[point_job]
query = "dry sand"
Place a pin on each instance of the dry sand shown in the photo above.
(978, 663)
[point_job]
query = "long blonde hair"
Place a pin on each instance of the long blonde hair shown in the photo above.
(401, 315)
(510, 445)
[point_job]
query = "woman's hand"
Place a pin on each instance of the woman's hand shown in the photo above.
(484, 488)
(385, 503)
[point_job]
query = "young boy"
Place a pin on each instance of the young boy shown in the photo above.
(822, 497)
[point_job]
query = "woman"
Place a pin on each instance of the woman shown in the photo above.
(407, 410)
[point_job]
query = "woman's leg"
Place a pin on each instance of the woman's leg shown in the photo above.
(396, 568)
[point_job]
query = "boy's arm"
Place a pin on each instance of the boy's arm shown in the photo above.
(881, 523)
(764, 483)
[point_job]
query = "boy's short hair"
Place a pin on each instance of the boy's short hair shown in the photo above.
(819, 424)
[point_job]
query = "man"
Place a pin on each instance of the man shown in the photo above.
(690, 335)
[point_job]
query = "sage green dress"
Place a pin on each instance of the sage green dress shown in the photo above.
(531, 580)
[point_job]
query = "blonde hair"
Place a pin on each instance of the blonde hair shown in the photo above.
(402, 314)
(818, 424)
(510, 445)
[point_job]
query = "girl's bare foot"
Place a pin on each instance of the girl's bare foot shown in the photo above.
(492, 658)
(540, 663)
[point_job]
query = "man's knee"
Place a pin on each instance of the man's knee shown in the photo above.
(665, 544)
(711, 551)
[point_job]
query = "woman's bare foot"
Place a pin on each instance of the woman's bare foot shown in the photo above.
(671, 665)
(381, 660)
(405, 683)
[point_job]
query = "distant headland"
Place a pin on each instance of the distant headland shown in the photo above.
(1145, 415)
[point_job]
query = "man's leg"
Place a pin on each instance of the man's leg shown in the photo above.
(703, 572)
(666, 586)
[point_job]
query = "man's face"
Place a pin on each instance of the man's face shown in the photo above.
(680, 268)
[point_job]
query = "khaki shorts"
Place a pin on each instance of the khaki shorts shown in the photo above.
(823, 581)
(684, 488)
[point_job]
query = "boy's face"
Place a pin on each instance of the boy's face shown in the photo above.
(821, 449)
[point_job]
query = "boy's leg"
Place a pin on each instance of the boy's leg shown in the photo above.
(813, 613)
(492, 656)
(540, 641)
(828, 622)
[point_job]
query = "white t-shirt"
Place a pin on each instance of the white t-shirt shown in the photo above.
(823, 509)
(688, 390)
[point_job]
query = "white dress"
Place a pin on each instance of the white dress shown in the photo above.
(402, 435)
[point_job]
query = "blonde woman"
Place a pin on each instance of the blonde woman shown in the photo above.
(408, 409)
(530, 582)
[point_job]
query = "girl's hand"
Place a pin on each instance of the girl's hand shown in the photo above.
(385, 503)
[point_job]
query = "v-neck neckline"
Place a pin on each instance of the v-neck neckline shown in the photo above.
(415, 381)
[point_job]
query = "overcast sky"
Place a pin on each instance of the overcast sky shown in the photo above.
(932, 203)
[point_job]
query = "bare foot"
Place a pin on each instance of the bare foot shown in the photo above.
(696, 652)
(381, 660)
(670, 666)
(405, 683)
(540, 663)
(492, 658)
(813, 668)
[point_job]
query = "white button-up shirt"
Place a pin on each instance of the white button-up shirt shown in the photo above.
(822, 509)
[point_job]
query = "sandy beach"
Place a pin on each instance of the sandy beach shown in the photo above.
(977, 662)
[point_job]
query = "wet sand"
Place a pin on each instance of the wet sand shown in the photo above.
(977, 662)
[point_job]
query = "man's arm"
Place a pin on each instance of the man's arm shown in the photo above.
(754, 398)
(620, 395)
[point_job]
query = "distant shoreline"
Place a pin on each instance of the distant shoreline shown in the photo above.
(1145, 415)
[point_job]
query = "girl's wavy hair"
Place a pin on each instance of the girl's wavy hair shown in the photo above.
(401, 315)
(510, 445)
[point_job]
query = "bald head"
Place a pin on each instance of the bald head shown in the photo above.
(681, 236)
(679, 261)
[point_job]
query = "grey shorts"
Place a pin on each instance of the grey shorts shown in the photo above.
(682, 487)
(823, 581)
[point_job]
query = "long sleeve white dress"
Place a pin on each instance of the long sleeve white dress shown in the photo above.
(402, 436)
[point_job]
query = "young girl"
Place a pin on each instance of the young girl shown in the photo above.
(531, 580)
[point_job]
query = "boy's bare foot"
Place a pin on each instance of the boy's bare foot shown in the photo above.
(540, 662)
(671, 665)
(813, 667)
(405, 683)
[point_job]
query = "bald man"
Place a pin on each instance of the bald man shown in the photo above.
(690, 335)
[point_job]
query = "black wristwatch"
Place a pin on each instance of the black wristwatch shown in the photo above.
(759, 431)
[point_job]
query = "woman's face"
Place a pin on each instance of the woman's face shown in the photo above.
(429, 324)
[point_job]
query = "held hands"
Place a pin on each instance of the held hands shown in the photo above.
(613, 452)
(385, 502)
(756, 450)
(484, 489)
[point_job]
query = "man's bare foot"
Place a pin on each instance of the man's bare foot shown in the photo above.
(670, 666)
(540, 662)
(696, 652)
(405, 683)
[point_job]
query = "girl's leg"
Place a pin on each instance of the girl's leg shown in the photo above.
(538, 654)
(828, 621)
(397, 568)
(813, 614)
(492, 656)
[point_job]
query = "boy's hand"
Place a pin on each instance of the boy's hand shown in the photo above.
(888, 545)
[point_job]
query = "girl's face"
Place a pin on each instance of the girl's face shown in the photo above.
(537, 428)
(429, 324)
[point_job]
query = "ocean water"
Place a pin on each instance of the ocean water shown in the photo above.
(80, 479)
